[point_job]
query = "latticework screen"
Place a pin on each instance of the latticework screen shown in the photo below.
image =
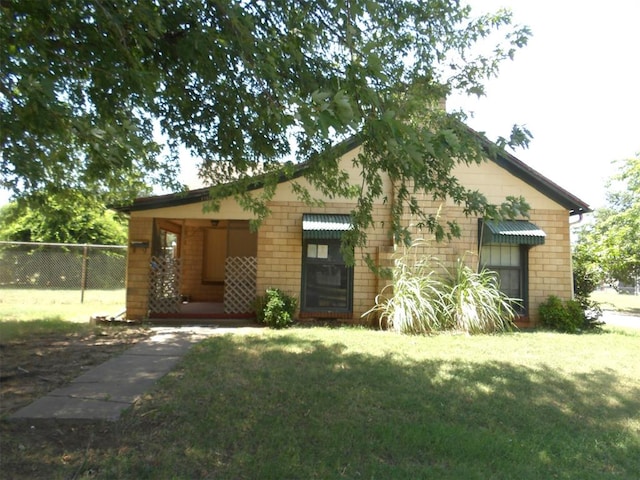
(164, 295)
(240, 284)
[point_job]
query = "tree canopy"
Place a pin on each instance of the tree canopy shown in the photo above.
(93, 92)
(65, 218)
(611, 245)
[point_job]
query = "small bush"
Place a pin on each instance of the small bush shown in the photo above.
(562, 316)
(276, 309)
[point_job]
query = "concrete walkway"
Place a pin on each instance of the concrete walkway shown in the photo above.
(105, 391)
(620, 319)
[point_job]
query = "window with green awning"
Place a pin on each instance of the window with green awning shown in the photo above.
(513, 232)
(324, 226)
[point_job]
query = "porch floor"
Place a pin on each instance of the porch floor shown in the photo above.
(201, 311)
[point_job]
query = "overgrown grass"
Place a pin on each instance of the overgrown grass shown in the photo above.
(23, 305)
(351, 403)
(610, 299)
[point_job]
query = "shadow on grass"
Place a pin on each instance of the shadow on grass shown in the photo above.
(289, 407)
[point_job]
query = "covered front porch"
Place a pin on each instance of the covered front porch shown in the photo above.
(202, 269)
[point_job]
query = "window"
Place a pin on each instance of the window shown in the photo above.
(509, 262)
(505, 250)
(327, 283)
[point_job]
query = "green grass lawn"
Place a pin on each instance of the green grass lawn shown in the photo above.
(24, 305)
(353, 403)
(22, 330)
(610, 299)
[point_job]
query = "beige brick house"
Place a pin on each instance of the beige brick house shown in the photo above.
(185, 263)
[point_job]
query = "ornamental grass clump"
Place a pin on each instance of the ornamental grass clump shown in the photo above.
(415, 301)
(477, 304)
(424, 297)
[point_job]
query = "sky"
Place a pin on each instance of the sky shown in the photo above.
(575, 86)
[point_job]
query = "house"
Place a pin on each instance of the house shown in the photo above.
(187, 263)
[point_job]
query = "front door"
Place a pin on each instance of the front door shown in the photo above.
(327, 283)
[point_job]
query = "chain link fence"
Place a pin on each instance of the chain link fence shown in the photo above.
(56, 266)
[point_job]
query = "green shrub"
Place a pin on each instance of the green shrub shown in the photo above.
(562, 316)
(592, 313)
(275, 309)
(587, 275)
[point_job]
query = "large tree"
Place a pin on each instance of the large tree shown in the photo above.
(88, 87)
(611, 244)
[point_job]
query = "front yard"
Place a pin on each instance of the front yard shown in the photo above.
(353, 403)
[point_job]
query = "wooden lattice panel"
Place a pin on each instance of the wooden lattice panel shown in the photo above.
(240, 284)
(164, 294)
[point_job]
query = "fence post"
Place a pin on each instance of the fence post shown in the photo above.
(83, 279)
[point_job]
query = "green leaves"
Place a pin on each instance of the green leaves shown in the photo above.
(611, 245)
(61, 217)
(88, 90)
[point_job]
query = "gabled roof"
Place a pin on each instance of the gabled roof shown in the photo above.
(533, 178)
(513, 165)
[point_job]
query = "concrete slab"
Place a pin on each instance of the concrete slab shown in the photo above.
(620, 319)
(126, 392)
(105, 391)
(67, 408)
(162, 345)
(129, 369)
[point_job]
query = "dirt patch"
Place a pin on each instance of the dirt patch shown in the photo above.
(33, 367)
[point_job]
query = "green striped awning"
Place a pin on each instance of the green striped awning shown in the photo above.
(518, 232)
(324, 226)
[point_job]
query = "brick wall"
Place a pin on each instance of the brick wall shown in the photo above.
(279, 255)
(280, 251)
(138, 261)
(550, 271)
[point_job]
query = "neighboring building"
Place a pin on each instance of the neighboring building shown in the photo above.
(186, 263)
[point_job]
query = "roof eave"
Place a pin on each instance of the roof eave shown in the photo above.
(513, 165)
